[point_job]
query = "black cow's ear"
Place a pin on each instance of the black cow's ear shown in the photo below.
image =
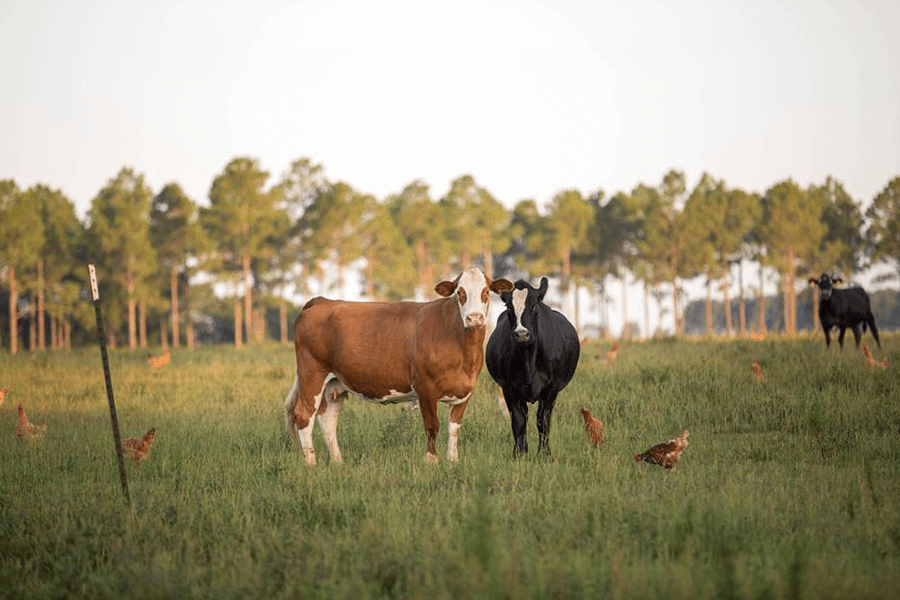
(838, 280)
(543, 289)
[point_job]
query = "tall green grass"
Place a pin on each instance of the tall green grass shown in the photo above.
(789, 489)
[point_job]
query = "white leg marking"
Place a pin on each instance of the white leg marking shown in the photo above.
(304, 436)
(453, 431)
(334, 397)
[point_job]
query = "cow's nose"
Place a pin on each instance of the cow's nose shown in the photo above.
(523, 336)
(474, 320)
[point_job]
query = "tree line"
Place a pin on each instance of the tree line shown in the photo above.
(166, 259)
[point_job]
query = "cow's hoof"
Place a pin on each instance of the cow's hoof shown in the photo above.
(431, 458)
(453, 459)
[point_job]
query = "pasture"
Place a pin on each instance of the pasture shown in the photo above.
(790, 488)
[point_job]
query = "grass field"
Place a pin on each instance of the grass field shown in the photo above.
(789, 488)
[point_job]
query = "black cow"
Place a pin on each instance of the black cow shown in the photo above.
(843, 309)
(532, 355)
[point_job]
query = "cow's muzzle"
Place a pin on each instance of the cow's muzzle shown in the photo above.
(523, 336)
(474, 320)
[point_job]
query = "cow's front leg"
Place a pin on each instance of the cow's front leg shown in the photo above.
(827, 336)
(518, 416)
(428, 408)
(841, 337)
(544, 415)
(456, 414)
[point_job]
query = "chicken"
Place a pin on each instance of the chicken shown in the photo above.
(871, 360)
(25, 430)
(138, 449)
(610, 356)
(158, 361)
(758, 370)
(593, 427)
(3, 392)
(667, 453)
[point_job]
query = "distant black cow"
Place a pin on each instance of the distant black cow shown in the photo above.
(843, 309)
(532, 355)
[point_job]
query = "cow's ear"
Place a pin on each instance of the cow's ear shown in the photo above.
(446, 288)
(543, 289)
(813, 281)
(498, 286)
(838, 280)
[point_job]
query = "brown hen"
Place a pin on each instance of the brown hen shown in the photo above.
(158, 361)
(138, 449)
(667, 453)
(758, 370)
(593, 427)
(871, 360)
(27, 431)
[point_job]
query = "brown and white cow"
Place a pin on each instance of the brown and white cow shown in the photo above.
(390, 352)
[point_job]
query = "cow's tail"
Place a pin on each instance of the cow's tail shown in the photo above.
(289, 404)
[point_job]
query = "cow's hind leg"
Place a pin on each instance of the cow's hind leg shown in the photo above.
(870, 320)
(327, 416)
(301, 405)
(544, 415)
(841, 337)
(857, 335)
(428, 408)
(456, 414)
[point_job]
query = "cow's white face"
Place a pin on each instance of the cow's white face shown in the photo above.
(472, 290)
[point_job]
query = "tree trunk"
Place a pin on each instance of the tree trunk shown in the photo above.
(32, 323)
(742, 308)
(646, 333)
(282, 320)
(790, 298)
(675, 329)
(726, 292)
(488, 260)
(709, 315)
(173, 291)
(190, 335)
(248, 296)
(164, 334)
(13, 312)
(577, 314)
(369, 290)
(142, 323)
(67, 331)
(625, 328)
(238, 333)
(259, 324)
(761, 303)
(53, 331)
(132, 328)
(566, 281)
(42, 334)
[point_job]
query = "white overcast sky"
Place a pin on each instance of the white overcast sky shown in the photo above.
(529, 97)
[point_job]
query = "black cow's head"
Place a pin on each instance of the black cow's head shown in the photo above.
(522, 309)
(826, 284)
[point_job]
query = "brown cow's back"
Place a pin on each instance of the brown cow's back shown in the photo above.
(370, 346)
